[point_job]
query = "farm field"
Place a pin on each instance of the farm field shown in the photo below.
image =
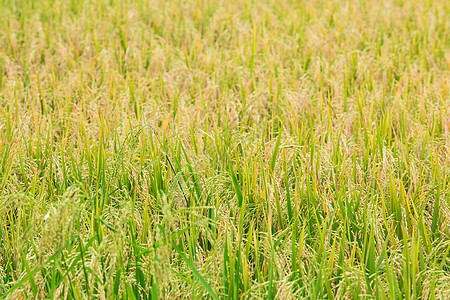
(224, 149)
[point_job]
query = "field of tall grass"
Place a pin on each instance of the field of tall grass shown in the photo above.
(190, 149)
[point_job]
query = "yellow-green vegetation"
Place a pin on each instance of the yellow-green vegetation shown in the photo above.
(224, 149)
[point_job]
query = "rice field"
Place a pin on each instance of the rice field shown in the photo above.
(212, 149)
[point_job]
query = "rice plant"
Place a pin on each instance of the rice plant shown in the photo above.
(213, 149)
